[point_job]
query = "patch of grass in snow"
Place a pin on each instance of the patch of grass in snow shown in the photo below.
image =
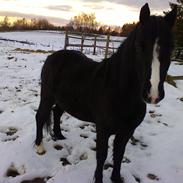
(171, 79)
(33, 51)
(37, 180)
(153, 177)
(179, 63)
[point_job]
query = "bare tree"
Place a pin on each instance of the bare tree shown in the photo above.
(84, 22)
(5, 24)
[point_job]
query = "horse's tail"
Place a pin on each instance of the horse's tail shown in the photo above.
(46, 87)
(49, 121)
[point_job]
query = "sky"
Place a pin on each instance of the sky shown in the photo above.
(108, 12)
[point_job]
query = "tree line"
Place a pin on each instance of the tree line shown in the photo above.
(25, 24)
(81, 23)
(87, 23)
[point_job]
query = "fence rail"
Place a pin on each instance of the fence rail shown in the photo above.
(95, 39)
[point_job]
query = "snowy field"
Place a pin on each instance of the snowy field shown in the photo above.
(155, 154)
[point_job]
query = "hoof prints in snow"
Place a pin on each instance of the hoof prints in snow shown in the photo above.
(88, 126)
(137, 179)
(9, 134)
(126, 160)
(58, 147)
(10, 139)
(107, 166)
(93, 148)
(65, 161)
(181, 99)
(11, 131)
(84, 136)
(153, 114)
(134, 141)
(12, 171)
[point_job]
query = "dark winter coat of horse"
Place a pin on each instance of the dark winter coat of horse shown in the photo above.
(113, 93)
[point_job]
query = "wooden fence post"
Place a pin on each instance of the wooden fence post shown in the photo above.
(107, 46)
(66, 40)
(95, 44)
(82, 42)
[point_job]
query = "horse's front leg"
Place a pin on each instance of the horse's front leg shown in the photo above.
(102, 148)
(120, 142)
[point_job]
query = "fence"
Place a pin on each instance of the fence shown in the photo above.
(94, 39)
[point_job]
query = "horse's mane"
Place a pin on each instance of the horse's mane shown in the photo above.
(128, 45)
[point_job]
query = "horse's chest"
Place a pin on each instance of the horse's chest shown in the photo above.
(119, 112)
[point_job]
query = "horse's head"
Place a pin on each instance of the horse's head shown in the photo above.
(153, 47)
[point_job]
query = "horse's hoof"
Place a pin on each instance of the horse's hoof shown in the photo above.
(40, 149)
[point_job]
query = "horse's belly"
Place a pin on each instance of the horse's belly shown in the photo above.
(80, 115)
(77, 108)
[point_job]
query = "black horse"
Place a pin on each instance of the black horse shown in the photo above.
(113, 93)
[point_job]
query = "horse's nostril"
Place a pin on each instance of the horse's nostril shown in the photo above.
(154, 100)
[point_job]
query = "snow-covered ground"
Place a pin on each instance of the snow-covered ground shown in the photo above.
(154, 155)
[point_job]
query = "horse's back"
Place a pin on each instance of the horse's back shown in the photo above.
(67, 63)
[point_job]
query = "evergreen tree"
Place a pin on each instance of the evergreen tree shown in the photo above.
(179, 23)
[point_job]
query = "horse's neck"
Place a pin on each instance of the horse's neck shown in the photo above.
(123, 66)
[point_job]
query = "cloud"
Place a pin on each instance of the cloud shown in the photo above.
(55, 20)
(60, 8)
(156, 5)
(94, 6)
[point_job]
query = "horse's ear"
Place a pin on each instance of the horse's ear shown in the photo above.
(170, 18)
(144, 13)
